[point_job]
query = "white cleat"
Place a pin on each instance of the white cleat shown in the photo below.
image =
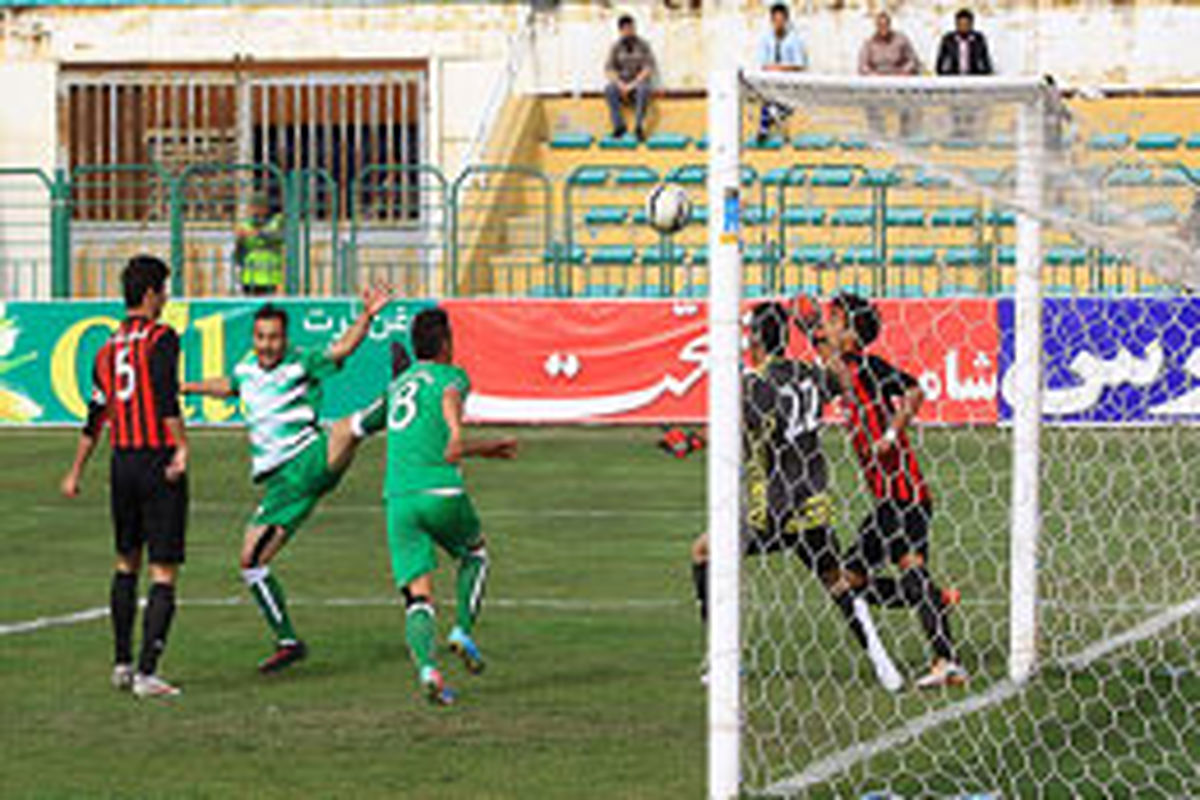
(153, 686)
(122, 677)
(943, 673)
(889, 677)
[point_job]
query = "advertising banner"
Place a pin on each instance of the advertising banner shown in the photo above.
(47, 351)
(1127, 360)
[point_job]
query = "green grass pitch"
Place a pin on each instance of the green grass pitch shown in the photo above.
(592, 639)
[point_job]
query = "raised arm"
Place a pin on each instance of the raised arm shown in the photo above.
(456, 448)
(375, 298)
(210, 387)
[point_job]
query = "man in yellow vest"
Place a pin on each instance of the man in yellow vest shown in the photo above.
(259, 251)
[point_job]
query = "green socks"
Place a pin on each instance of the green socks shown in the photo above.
(271, 601)
(472, 579)
(419, 632)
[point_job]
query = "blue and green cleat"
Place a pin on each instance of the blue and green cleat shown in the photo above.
(462, 645)
(435, 689)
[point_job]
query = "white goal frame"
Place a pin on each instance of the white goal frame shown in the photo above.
(725, 113)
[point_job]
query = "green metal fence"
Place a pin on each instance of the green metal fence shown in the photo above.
(512, 231)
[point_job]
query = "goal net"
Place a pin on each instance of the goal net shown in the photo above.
(1013, 267)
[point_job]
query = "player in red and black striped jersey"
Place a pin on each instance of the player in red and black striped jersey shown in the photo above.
(880, 402)
(135, 393)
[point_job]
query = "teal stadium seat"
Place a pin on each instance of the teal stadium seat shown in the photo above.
(1193, 141)
(758, 254)
(987, 176)
(804, 215)
(836, 177)
(1108, 141)
(958, 290)
(918, 142)
(650, 291)
(691, 175)
(699, 215)
(813, 141)
(702, 142)
(606, 215)
(541, 291)
(700, 256)
(769, 143)
(879, 177)
(908, 291)
(954, 217)
(1130, 176)
(755, 290)
(813, 254)
(913, 256)
(904, 217)
(571, 141)
(636, 176)
(1065, 255)
(852, 216)
(753, 216)
(962, 256)
(558, 252)
(1002, 217)
(625, 142)
(928, 180)
(806, 289)
(960, 144)
(1158, 141)
(589, 176)
(1002, 141)
(692, 290)
(657, 255)
(861, 255)
(853, 143)
(1007, 255)
(613, 255)
(775, 176)
(1173, 176)
(668, 141)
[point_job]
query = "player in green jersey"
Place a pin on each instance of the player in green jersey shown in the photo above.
(427, 503)
(294, 458)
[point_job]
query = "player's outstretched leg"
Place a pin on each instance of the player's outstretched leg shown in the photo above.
(261, 544)
(471, 583)
(923, 594)
(420, 634)
(858, 617)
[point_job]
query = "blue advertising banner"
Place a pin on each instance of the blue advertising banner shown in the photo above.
(1128, 360)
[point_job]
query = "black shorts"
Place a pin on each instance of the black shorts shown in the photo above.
(803, 530)
(147, 509)
(891, 531)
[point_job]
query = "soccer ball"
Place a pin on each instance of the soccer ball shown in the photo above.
(668, 208)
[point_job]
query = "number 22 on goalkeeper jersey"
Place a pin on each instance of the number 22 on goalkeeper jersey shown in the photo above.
(411, 409)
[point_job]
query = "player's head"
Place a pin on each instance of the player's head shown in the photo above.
(270, 335)
(144, 284)
(964, 20)
(626, 26)
(431, 337)
(883, 24)
(779, 17)
(768, 331)
(853, 322)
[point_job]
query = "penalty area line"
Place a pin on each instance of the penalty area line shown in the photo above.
(839, 762)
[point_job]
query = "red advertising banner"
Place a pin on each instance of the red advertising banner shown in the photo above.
(645, 361)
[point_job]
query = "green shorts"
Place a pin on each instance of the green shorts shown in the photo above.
(416, 521)
(293, 491)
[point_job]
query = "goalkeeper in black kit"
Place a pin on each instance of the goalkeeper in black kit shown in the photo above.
(787, 505)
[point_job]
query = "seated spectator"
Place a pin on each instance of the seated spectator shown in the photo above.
(964, 51)
(630, 70)
(779, 50)
(889, 52)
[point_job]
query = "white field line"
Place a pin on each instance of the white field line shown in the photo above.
(537, 603)
(377, 508)
(838, 763)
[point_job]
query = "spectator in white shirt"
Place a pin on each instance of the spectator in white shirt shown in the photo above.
(779, 50)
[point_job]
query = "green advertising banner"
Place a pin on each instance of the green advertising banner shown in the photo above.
(47, 351)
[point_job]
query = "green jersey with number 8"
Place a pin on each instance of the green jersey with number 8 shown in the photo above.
(411, 409)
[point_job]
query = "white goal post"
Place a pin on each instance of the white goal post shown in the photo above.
(1029, 106)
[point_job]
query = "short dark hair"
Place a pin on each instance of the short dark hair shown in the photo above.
(141, 274)
(965, 13)
(769, 327)
(861, 316)
(430, 332)
(272, 311)
(623, 20)
(779, 8)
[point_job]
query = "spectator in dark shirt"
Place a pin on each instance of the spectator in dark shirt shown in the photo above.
(964, 51)
(630, 70)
